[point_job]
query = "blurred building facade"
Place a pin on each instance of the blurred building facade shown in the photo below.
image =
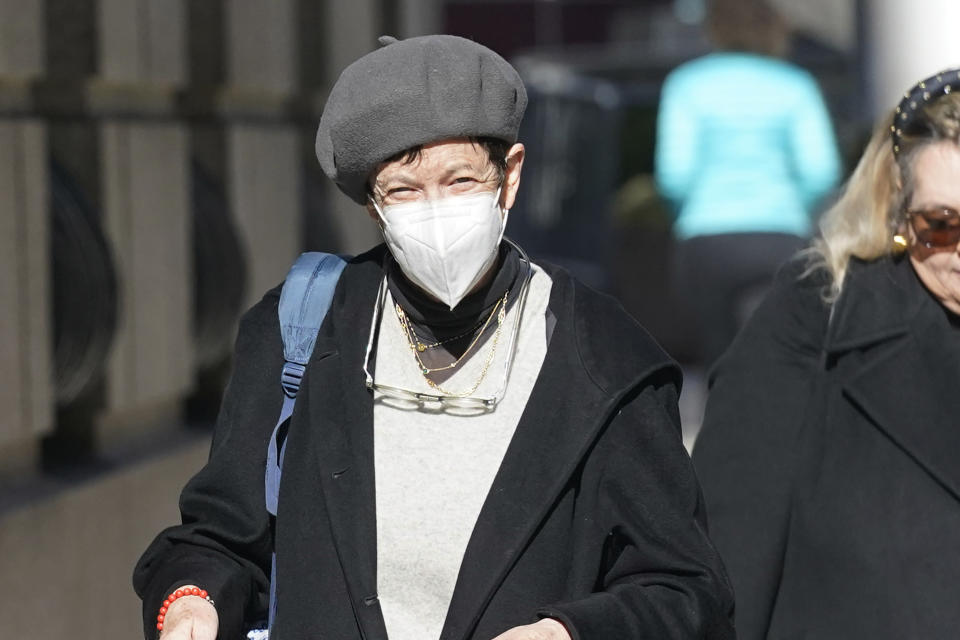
(157, 175)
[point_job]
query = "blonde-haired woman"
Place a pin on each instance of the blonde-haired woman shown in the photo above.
(830, 452)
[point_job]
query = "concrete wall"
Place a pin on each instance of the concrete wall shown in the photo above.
(265, 191)
(25, 331)
(146, 217)
(263, 173)
(419, 17)
(351, 30)
(145, 204)
(142, 40)
(21, 38)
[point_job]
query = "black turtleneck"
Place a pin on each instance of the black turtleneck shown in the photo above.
(433, 321)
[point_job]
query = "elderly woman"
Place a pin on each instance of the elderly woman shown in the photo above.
(482, 448)
(830, 453)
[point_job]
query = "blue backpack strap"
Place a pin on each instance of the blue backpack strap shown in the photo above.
(304, 302)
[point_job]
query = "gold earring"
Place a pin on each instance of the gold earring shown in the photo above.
(899, 243)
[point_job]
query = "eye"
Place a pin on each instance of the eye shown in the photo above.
(399, 194)
(464, 180)
(941, 218)
(936, 220)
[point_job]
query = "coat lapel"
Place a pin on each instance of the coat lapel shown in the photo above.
(551, 438)
(908, 381)
(911, 393)
(340, 411)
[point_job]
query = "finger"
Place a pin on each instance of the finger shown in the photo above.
(180, 632)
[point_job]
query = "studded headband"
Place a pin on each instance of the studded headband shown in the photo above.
(913, 100)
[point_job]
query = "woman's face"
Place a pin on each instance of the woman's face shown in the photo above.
(443, 169)
(936, 171)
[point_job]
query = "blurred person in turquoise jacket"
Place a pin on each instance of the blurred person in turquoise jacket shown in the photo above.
(745, 152)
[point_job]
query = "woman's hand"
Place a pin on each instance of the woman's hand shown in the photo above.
(546, 629)
(190, 618)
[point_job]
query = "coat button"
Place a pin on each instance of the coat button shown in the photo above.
(370, 600)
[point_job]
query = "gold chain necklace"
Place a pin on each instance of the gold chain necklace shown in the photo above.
(500, 310)
(408, 331)
(483, 372)
(423, 346)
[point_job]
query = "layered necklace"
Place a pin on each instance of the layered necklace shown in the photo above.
(417, 346)
(422, 346)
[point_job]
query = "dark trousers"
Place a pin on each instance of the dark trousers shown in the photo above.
(720, 279)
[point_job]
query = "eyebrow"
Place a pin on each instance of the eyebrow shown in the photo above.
(399, 176)
(926, 206)
(464, 166)
(403, 177)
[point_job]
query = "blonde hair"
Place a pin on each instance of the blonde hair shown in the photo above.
(862, 222)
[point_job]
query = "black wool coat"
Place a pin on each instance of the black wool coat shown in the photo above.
(830, 460)
(595, 516)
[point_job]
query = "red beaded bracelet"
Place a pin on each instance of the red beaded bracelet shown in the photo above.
(179, 593)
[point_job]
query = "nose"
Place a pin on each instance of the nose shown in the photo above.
(433, 191)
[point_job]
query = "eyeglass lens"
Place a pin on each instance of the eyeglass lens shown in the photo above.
(937, 227)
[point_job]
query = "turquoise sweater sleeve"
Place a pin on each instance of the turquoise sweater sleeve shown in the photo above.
(814, 147)
(675, 155)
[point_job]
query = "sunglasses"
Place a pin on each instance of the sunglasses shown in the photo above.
(937, 228)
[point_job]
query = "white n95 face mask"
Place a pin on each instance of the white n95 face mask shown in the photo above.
(445, 246)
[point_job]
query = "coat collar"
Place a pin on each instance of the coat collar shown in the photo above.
(554, 432)
(906, 380)
(872, 306)
(340, 410)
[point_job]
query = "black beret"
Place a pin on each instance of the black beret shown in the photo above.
(411, 92)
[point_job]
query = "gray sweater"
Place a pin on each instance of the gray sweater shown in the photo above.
(434, 469)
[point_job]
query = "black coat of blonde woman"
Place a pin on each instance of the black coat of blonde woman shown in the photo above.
(830, 452)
